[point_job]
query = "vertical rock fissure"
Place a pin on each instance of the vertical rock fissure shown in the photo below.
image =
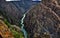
(22, 27)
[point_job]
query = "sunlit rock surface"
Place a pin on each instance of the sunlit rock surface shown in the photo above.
(42, 22)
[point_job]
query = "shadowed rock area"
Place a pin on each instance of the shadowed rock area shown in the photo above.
(15, 10)
(10, 11)
(42, 22)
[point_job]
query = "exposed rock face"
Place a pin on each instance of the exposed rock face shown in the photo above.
(40, 21)
(5, 31)
(58, 2)
(10, 11)
(53, 4)
(15, 10)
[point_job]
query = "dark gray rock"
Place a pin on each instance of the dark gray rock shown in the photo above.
(15, 10)
(11, 12)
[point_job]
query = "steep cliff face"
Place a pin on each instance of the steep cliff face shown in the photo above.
(15, 10)
(41, 21)
(53, 4)
(10, 11)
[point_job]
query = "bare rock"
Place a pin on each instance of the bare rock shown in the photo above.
(53, 4)
(10, 11)
(40, 19)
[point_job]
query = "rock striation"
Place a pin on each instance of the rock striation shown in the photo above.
(53, 4)
(42, 22)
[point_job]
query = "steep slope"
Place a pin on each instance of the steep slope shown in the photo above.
(15, 10)
(10, 11)
(5, 31)
(9, 31)
(53, 4)
(41, 22)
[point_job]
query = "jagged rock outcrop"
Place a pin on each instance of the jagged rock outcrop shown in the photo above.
(5, 31)
(42, 22)
(15, 10)
(10, 11)
(53, 4)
